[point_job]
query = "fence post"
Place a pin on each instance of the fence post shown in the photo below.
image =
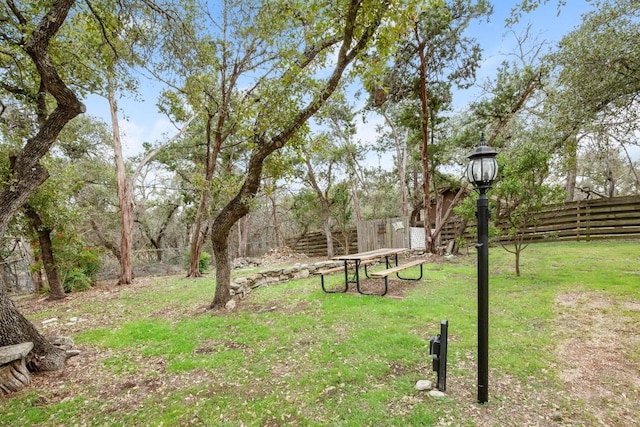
(588, 213)
(578, 221)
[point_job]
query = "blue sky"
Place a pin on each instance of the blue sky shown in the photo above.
(547, 25)
(140, 122)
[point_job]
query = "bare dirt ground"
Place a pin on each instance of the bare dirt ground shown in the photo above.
(598, 347)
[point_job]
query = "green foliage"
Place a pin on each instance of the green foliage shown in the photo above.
(523, 188)
(77, 264)
(304, 210)
(204, 262)
(76, 280)
(382, 199)
(341, 208)
(595, 63)
(593, 92)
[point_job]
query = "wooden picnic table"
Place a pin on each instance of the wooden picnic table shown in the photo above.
(359, 259)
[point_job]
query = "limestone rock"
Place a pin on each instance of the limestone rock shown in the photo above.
(424, 385)
(437, 394)
(231, 305)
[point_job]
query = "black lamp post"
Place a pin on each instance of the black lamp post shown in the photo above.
(481, 172)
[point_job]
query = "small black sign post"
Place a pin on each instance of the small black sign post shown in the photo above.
(438, 351)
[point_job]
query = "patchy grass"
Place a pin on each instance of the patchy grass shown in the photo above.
(564, 349)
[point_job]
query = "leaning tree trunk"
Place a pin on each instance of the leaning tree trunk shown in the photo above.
(237, 208)
(198, 237)
(220, 245)
(46, 250)
(5, 277)
(243, 237)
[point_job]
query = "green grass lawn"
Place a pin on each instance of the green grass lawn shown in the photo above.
(293, 355)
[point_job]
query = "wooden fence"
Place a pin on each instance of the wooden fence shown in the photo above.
(383, 233)
(614, 218)
(315, 243)
(396, 233)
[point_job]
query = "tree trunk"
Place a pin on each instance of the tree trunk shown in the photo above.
(324, 203)
(611, 183)
(243, 227)
(56, 291)
(274, 215)
(197, 243)
(203, 218)
(326, 225)
(424, 150)
(156, 241)
(125, 197)
(445, 217)
(15, 329)
(111, 246)
(401, 163)
(38, 283)
(228, 216)
(6, 280)
(353, 183)
(571, 159)
(223, 271)
(439, 223)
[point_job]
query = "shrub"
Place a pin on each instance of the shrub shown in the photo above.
(204, 262)
(77, 264)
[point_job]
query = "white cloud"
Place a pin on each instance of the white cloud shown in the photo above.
(367, 135)
(135, 133)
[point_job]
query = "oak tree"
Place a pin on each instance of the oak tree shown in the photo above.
(32, 76)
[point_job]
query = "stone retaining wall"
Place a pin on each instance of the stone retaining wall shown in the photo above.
(243, 285)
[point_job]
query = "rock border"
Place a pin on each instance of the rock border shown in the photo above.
(242, 286)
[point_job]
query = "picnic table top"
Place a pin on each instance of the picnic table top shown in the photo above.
(376, 253)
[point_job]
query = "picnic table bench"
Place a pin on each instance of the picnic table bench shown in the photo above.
(396, 270)
(337, 269)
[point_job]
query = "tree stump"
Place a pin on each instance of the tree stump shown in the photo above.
(14, 374)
